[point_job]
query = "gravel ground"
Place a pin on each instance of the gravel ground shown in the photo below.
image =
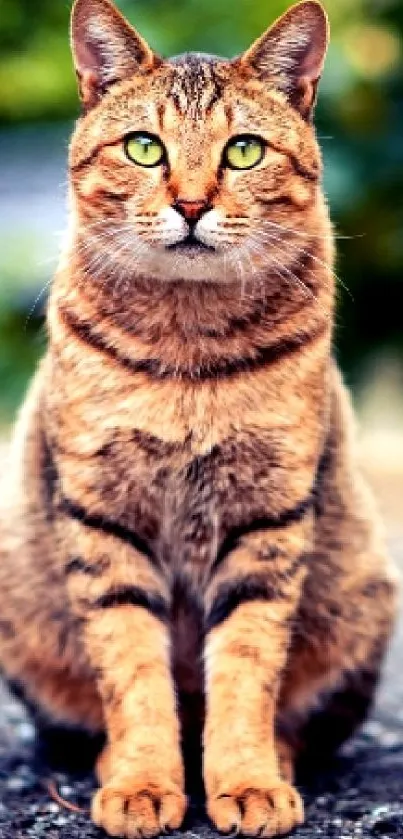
(359, 795)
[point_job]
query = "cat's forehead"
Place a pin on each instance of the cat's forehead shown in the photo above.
(193, 91)
(196, 83)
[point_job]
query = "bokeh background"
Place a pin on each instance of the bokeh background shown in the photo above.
(360, 126)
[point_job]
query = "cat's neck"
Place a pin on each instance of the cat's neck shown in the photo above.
(193, 308)
(188, 325)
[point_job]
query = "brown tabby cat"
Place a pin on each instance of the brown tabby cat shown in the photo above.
(182, 486)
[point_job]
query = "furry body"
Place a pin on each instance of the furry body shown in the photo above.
(184, 510)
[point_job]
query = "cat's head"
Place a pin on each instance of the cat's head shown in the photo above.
(195, 167)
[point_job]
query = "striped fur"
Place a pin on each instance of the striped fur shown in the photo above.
(183, 514)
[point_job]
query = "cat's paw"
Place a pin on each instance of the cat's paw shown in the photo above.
(134, 810)
(272, 811)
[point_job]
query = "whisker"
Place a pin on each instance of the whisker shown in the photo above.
(36, 301)
(283, 269)
(320, 262)
(325, 237)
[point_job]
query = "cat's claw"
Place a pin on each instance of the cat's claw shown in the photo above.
(257, 812)
(133, 811)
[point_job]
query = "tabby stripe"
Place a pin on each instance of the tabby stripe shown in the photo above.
(91, 569)
(284, 519)
(221, 368)
(298, 167)
(241, 323)
(154, 446)
(49, 475)
(84, 331)
(230, 595)
(289, 569)
(238, 323)
(281, 199)
(321, 475)
(133, 596)
(215, 97)
(7, 629)
(115, 196)
(304, 173)
(92, 156)
(113, 528)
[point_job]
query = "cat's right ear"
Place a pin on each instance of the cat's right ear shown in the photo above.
(106, 49)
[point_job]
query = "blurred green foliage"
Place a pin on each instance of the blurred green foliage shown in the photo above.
(359, 121)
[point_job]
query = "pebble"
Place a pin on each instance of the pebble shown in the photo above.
(60, 821)
(14, 783)
(26, 732)
(374, 728)
(20, 782)
(386, 820)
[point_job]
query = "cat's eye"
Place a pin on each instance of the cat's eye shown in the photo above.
(144, 149)
(244, 152)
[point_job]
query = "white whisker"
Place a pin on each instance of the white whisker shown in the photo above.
(312, 256)
(285, 272)
(36, 301)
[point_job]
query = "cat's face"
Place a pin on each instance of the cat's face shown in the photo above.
(195, 168)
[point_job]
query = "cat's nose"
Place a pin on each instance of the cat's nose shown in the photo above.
(191, 211)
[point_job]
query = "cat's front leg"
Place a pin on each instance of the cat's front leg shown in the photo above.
(250, 609)
(123, 604)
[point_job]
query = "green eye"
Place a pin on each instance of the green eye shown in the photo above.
(144, 149)
(244, 151)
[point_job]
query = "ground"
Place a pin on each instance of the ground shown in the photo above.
(359, 796)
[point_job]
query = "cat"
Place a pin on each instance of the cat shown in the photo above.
(185, 537)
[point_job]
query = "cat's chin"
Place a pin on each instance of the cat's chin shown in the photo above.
(189, 264)
(190, 248)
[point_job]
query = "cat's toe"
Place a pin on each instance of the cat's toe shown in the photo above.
(272, 811)
(225, 813)
(132, 811)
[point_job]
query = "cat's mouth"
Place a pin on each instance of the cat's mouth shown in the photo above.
(190, 245)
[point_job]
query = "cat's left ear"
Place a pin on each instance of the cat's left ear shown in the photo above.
(106, 49)
(291, 54)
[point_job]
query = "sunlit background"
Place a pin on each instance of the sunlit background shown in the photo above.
(360, 126)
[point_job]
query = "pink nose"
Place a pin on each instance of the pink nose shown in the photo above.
(191, 210)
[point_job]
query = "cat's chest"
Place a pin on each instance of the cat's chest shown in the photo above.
(96, 406)
(182, 462)
(181, 503)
